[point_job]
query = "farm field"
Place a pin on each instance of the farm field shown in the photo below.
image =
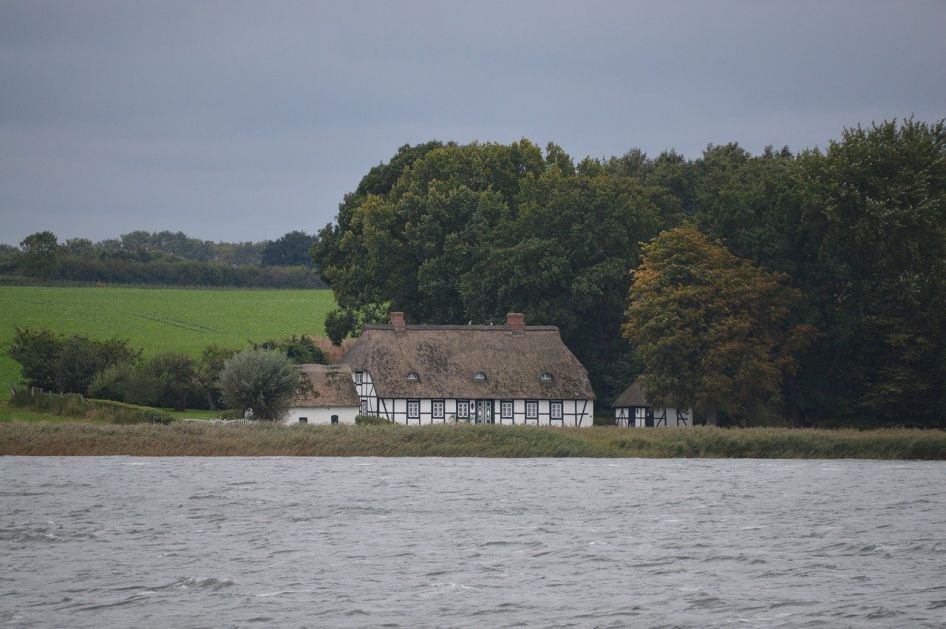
(159, 319)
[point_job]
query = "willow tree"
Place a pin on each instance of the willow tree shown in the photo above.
(259, 379)
(713, 331)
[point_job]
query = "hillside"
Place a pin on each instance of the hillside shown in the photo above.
(159, 319)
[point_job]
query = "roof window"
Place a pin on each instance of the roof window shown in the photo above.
(479, 376)
(412, 376)
(545, 377)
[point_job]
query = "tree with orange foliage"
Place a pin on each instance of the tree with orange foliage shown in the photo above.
(713, 331)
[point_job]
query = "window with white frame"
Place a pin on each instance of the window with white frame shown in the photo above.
(358, 377)
(463, 409)
(532, 409)
(413, 409)
(436, 409)
(555, 409)
(505, 410)
(364, 405)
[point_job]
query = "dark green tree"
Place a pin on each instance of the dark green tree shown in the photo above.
(38, 353)
(469, 233)
(880, 283)
(451, 234)
(175, 377)
(339, 323)
(291, 249)
(65, 364)
(343, 322)
(207, 374)
(40, 254)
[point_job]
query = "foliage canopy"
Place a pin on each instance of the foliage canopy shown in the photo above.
(714, 332)
(259, 379)
(454, 234)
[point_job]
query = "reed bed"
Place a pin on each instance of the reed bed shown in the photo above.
(198, 439)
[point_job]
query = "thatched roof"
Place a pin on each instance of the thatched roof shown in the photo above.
(447, 357)
(325, 385)
(636, 395)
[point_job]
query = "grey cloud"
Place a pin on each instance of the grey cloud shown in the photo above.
(242, 121)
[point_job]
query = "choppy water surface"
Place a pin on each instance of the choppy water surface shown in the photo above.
(123, 541)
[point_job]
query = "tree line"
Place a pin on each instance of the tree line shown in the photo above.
(809, 286)
(112, 369)
(165, 258)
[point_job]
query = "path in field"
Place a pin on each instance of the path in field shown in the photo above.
(158, 319)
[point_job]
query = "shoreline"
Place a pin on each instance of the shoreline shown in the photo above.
(195, 439)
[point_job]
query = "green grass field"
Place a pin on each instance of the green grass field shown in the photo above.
(159, 319)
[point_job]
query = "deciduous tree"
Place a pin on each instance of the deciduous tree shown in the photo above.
(713, 332)
(291, 249)
(259, 379)
(40, 254)
(66, 364)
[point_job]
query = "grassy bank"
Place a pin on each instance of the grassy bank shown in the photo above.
(85, 409)
(179, 319)
(192, 439)
(12, 414)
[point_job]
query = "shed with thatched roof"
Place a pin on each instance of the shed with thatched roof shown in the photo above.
(634, 408)
(506, 374)
(326, 395)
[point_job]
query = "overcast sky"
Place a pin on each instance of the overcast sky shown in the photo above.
(242, 121)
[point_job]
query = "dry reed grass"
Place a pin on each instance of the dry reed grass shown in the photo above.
(195, 439)
(334, 354)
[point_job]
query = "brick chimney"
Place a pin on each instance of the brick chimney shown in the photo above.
(516, 322)
(397, 320)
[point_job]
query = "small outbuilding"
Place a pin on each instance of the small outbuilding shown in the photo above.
(326, 396)
(633, 408)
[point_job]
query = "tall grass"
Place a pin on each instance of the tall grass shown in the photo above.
(200, 439)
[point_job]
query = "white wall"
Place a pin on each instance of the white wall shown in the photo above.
(322, 415)
(575, 412)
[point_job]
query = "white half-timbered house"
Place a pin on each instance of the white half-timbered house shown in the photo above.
(633, 408)
(503, 374)
(326, 395)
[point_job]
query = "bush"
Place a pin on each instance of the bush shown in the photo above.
(166, 380)
(66, 364)
(112, 383)
(371, 420)
(74, 405)
(175, 376)
(300, 350)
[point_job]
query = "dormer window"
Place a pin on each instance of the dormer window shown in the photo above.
(546, 377)
(412, 376)
(479, 376)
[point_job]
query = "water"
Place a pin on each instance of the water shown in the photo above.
(188, 542)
